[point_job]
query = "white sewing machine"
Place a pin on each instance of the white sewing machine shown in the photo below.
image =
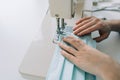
(68, 9)
(37, 60)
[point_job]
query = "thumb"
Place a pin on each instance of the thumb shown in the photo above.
(101, 37)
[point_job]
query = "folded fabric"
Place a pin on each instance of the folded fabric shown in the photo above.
(62, 69)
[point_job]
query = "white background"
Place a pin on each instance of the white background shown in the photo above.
(20, 21)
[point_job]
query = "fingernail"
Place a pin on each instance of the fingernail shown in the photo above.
(63, 37)
(61, 51)
(75, 33)
(73, 28)
(76, 22)
(59, 43)
(79, 34)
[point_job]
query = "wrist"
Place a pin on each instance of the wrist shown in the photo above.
(109, 25)
(114, 25)
(110, 70)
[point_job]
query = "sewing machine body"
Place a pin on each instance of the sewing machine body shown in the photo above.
(37, 60)
(61, 8)
(64, 8)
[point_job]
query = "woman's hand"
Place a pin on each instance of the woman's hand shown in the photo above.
(87, 58)
(89, 24)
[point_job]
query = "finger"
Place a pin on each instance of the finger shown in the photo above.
(81, 24)
(85, 18)
(69, 56)
(89, 30)
(76, 43)
(89, 24)
(102, 37)
(68, 48)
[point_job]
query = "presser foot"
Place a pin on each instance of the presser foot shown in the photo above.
(58, 36)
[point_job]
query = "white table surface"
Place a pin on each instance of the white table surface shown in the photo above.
(20, 21)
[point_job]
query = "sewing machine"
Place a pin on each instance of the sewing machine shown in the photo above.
(37, 60)
(61, 11)
(67, 9)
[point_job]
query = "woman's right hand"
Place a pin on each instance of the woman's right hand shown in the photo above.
(89, 59)
(89, 24)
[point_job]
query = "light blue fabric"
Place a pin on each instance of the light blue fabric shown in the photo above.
(62, 69)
